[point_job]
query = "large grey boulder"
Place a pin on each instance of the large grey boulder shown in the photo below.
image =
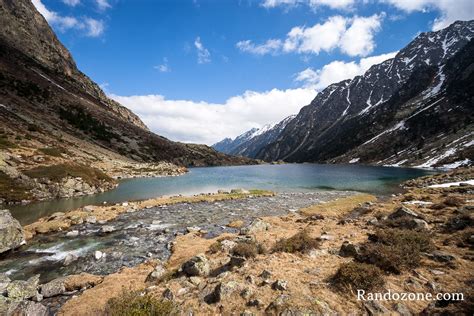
(196, 266)
(256, 226)
(21, 290)
(4, 281)
(11, 232)
(53, 288)
(404, 211)
(29, 308)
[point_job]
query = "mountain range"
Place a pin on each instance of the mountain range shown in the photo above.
(415, 109)
(249, 143)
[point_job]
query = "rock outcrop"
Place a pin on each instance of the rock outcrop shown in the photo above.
(11, 232)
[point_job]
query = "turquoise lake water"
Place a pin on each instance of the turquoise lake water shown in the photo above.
(279, 178)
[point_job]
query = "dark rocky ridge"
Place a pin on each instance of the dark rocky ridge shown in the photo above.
(414, 109)
(41, 90)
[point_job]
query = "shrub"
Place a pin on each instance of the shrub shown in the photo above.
(301, 242)
(453, 201)
(33, 128)
(5, 143)
(393, 250)
(56, 173)
(51, 151)
(215, 247)
(138, 304)
(356, 275)
(458, 222)
(84, 121)
(11, 191)
(248, 249)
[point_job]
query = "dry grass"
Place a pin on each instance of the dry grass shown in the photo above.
(301, 242)
(132, 303)
(337, 207)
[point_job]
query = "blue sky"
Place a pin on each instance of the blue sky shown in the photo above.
(186, 64)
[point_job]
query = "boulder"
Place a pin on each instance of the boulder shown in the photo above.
(349, 250)
(156, 274)
(168, 295)
(237, 261)
(266, 274)
(404, 211)
(278, 305)
(4, 281)
(91, 219)
(228, 245)
(280, 285)
(99, 255)
(11, 232)
(256, 226)
(70, 258)
(53, 288)
(72, 233)
(21, 290)
(107, 229)
(29, 308)
(196, 266)
(225, 290)
(440, 256)
(374, 308)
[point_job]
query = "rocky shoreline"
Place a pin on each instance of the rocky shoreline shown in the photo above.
(209, 276)
(30, 177)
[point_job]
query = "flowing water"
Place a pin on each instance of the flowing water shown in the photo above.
(279, 178)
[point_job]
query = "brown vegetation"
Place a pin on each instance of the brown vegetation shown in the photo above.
(356, 275)
(301, 242)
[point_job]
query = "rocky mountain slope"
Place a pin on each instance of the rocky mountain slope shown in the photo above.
(415, 109)
(55, 120)
(251, 142)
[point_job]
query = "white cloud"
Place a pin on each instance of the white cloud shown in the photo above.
(269, 47)
(92, 27)
(353, 36)
(333, 4)
(203, 122)
(450, 10)
(103, 4)
(164, 66)
(337, 71)
(203, 53)
(72, 3)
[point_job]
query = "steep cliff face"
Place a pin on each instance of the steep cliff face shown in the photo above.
(404, 111)
(25, 30)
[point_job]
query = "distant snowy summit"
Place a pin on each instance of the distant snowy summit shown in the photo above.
(251, 142)
(415, 109)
